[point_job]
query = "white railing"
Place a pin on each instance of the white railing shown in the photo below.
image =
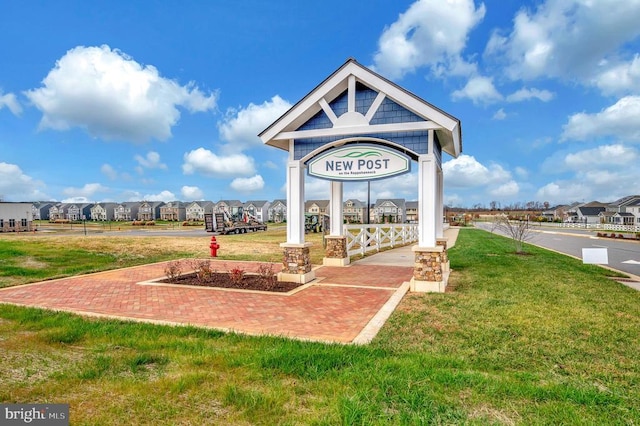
(364, 238)
(596, 226)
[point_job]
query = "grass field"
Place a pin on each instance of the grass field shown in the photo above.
(523, 339)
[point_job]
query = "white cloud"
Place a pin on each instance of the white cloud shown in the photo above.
(525, 94)
(207, 163)
(150, 161)
(240, 128)
(616, 155)
(191, 193)
(17, 186)
(251, 184)
(558, 192)
(109, 171)
(466, 172)
(162, 196)
(429, 33)
(479, 89)
(500, 114)
(619, 120)
(620, 79)
(10, 101)
(87, 191)
(506, 190)
(111, 96)
(316, 189)
(603, 173)
(565, 38)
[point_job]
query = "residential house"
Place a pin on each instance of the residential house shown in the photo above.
(556, 213)
(40, 210)
(354, 211)
(103, 211)
(173, 211)
(389, 210)
(587, 213)
(316, 206)
(126, 211)
(624, 211)
(411, 213)
(58, 211)
(76, 211)
(277, 211)
(258, 210)
(232, 207)
(15, 217)
(149, 210)
(634, 209)
(195, 211)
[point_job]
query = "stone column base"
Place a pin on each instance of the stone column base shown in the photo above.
(296, 264)
(445, 254)
(429, 274)
(336, 251)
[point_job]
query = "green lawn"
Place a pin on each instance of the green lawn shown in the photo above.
(523, 339)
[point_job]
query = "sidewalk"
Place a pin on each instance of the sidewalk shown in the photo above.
(342, 305)
(404, 256)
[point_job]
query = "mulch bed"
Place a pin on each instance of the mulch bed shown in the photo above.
(223, 280)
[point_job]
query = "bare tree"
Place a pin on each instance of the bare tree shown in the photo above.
(518, 230)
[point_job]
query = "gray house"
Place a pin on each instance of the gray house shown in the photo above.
(149, 210)
(126, 211)
(40, 210)
(77, 211)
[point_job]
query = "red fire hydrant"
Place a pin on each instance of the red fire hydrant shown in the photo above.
(214, 246)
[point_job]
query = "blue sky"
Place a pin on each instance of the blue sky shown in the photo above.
(163, 100)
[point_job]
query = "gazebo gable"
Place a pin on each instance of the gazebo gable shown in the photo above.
(355, 101)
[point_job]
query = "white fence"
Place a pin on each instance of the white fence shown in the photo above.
(594, 226)
(364, 238)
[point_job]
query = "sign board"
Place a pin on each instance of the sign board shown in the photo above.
(596, 256)
(357, 162)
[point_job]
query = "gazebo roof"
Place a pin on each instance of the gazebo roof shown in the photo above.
(285, 128)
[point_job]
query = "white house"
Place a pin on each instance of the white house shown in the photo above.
(258, 209)
(278, 211)
(195, 210)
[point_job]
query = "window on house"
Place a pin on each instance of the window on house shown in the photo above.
(23, 222)
(12, 223)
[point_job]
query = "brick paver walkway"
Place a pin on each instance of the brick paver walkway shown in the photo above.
(336, 307)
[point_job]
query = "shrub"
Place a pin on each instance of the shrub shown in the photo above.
(267, 276)
(203, 270)
(173, 270)
(236, 275)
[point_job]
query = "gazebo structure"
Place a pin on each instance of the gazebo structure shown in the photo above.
(358, 126)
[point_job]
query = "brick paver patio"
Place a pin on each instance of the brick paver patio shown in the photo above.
(341, 305)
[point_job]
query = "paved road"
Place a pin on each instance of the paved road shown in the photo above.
(623, 255)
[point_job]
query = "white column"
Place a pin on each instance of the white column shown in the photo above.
(427, 201)
(295, 203)
(335, 208)
(440, 204)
